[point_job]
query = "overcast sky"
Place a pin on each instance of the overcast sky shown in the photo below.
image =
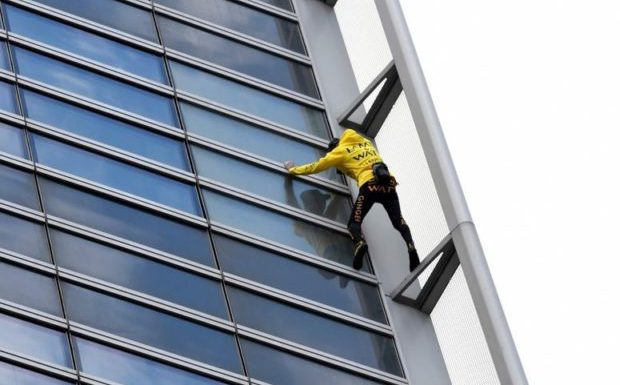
(528, 94)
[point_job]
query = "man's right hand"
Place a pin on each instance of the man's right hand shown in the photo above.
(288, 165)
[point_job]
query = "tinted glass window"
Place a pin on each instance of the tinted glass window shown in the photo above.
(14, 375)
(251, 138)
(101, 88)
(286, 4)
(86, 44)
(127, 222)
(249, 100)
(279, 368)
(285, 273)
(130, 369)
(138, 273)
(34, 340)
(18, 187)
(280, 228)
(23, 236)
(12, 140)
(272, 185)
(8, 101)
(239, 57)
(104, 129)
(116, 174)
(28, 288)
(112, 13)
(243, 19)
(151, 327)
(306, 328)
(4, 57)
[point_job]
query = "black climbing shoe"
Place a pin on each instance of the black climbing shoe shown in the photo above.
(359, 249)
(414, 260)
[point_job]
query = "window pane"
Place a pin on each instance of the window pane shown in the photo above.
(280, 228)
(116, 174)
(4, 57)
(249, 100)
(24, 237)
(285, 273)
(243, 19)
(251, 138)
(310, 329)
(86, 44)
(8, 101)
(151, 327)
(286, 4)
(279, 368)
(98, 87)
(18, 187)
(138, 273)
(14, 375)
(275, 186)
(33, 340)
(12, 140)
(129, 369)
(104, 129)
(127, 222)
(28, 288)
(239, 57)
(111, 13)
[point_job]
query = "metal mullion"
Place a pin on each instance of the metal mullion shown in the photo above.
(3, 34)
(33, 364)
(90, 65)
(144, 4)
(33, 315)
(307, 304)
(21, 211)
(89, 25)
(7, 75)
(321, 357)
(16, 161)
(156, 354)
(252, 119)
(271, 9)
(118, 195)
(232, 34)
(266, 163)
(95, 105)
(112, 152)
(293, 253)
(278, 207)
(27, 262)
(245, 79)
(147, 300)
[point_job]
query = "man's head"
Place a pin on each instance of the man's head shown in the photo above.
(333, 144)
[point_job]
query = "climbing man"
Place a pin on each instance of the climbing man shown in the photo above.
(356, 157)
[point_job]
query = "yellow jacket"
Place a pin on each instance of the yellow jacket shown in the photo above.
(354, 156)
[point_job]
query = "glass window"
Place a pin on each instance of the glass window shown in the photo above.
(86, 44)
(28, 288)
(101, 128)
(12, 140)
(8, 98)
(127, 222)
(24, 237)
(251, 138)
(280, 228)
(285, 4)
(34, 340)
(138, 273)
(285, 273)
(116, 174)
(5, 63)
(112, 13)
(310, 329)
(97, 87)
(18, 187)
(244, 19)
(250, 100)
(151, 327)
(279, 368)
(272, 185)
(14, 375)
(239, 57)
(130, 369)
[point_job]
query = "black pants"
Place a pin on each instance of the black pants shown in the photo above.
(371, 193)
